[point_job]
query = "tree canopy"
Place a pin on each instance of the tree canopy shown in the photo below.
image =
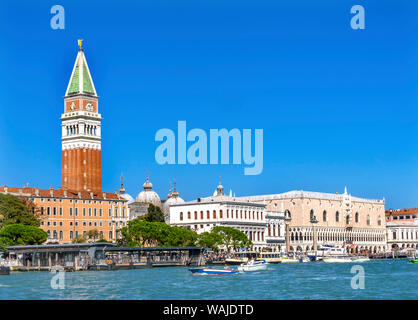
(19, 234)
(139, 232)
(79, 239)
(154, 214)
(210, 240)
(144, 233)
(93, 234)
(232, 237)
(13, 210)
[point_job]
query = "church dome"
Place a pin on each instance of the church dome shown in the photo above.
(172, 199)
(128, 197)
(219, 190)
(123, 194)
(148, 195)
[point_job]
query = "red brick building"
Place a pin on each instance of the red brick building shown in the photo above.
(81, 131)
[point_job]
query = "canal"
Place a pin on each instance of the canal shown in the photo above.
(384, 279)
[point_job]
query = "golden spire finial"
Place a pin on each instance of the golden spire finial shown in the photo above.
(80, 43)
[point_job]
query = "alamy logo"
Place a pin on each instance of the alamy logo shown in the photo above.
(58, 280)
(197, 153)
(358, 21)
(58, 20)
(357, 281)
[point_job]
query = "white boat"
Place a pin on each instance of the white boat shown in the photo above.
(329, 251)
(270, 257)
(304, 259)
(288, 260)
(337, 259)
(360, 259)
(253, 266)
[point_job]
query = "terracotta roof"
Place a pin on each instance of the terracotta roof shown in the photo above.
(61, 193)
(401, 211)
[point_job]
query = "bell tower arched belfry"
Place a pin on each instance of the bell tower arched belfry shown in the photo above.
(81, 131)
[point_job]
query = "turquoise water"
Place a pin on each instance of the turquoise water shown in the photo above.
(384, 279)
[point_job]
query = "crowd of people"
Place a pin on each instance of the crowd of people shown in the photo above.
(218, 256)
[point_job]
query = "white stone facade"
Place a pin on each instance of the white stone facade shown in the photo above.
(355, 223)
(402, 235)
(204, 214)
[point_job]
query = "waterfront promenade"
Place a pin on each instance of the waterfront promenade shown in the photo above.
(99, 256)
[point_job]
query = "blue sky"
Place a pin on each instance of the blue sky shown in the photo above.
(337, 106)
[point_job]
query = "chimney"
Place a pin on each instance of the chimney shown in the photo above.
(37, 191)
(79, 194)
(51, 191)
(5, 189)
(65, 191)
(104, 195)
(91, 195)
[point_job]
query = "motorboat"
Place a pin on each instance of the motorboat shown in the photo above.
(304, 259)
(254, 265)
(337, 259)
(288, 260)
(236, 260)
(360, 259)
(214, 271)
(270, 257)
(239, 258)
(329, 251)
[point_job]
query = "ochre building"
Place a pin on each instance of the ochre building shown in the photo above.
(66, 214)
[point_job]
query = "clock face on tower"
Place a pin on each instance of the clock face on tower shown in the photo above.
(89, 107)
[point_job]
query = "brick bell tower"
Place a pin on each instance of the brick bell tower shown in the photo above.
(81, 131)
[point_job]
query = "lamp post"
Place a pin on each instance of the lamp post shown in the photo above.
(287, 219)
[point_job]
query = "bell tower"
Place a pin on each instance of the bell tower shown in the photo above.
(81, 131)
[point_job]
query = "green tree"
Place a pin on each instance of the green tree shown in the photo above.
(19, 234)
(103, 241)
(210, 240)
(79, 239)
(139, 233)
(93, 234)
(14, 211)
(232, 237)
(154, 214)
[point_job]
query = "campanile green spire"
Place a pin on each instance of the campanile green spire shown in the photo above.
(80, 81)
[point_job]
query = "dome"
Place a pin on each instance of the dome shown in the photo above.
(219, 190)
(172, 199)
(147, 185)
(123, 194)
(148, 195)
(127, 197)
